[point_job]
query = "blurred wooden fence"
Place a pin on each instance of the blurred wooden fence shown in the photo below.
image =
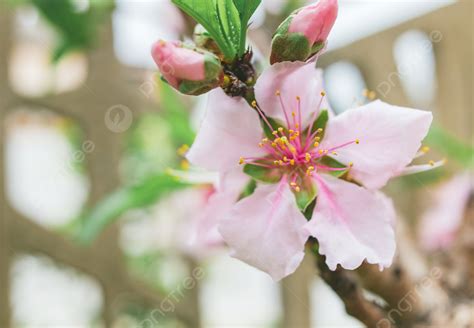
(108, 84)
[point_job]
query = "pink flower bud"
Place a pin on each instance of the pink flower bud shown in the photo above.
(304, 32)
(315, 21)
(190, 70)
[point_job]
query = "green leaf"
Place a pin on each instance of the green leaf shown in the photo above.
(205, 12)
(453, 148)
(230, 22)
(126, 198)
(262, 174)
(246, 8)
(76, 29)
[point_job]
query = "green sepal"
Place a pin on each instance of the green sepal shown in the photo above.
(249, 189)
(263, 174)
(306, 196)
(317, 48)
(274, 123)
(196, 88)
(308, 212)
(290, 47)
(331, 162)
(320, 122)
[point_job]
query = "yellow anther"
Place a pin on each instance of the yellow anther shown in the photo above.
(184, 165)
(275, 133)
(351, 164)
(292, 162)
(292, 149)
(316, 144)
(293, 114)
(425, 149)
(293, 184)
(298, 98)
(241, 160)
(254, 103)
(277, 93)
(284, 140)
(276, 162)
(293, 137)
(307, 157)
(357, 141)
(260, 144)
(319, 130)
(323, 93)
(274, 144)
(291, 131)
(334, 153)
(326, 151)
(297, 189)
(285, 159)
(280, 129)
(317, 138)
(432, 163)
(182, 150)
(321, 151)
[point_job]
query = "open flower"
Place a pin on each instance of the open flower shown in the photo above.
(308, 161)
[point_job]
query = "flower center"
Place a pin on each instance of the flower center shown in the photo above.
(293, 151)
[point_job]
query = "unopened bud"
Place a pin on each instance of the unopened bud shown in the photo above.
(304, 33)
(191, 70)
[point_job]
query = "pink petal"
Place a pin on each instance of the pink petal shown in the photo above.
(390, 137)
(230, 129)
(440, 223)
(292, 79)
(265, 230)
(352, 224)
(177, 62)
(218, 204)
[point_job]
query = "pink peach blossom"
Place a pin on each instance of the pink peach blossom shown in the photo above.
(441, 222)
(351, 220)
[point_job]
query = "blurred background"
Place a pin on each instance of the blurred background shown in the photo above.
(93, 234)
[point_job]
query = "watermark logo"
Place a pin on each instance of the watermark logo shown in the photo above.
(118, 118)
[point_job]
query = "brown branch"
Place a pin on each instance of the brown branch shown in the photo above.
(347, 288)
(411, 289)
